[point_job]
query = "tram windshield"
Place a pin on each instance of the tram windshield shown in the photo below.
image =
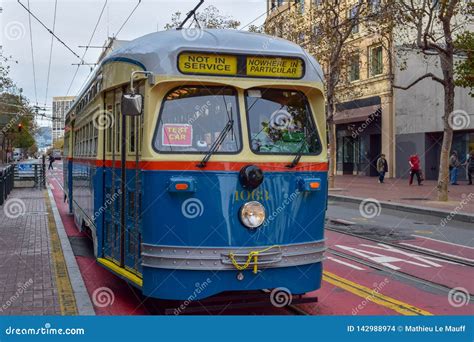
(280, 122)
(192, 118)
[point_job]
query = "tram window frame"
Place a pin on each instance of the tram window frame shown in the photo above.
(310, 114)
(237, 122)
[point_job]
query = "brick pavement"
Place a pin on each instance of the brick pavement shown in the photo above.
(30, 261)
(397, 190)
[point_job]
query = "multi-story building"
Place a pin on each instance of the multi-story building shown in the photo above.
(372, 116)
(61, 105)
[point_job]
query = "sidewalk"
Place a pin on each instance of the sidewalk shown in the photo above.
(397, 192)
(34, 275)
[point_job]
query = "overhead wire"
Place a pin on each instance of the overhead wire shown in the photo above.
(50, 52)
(87, 47)
(49, 30)
(32, 53)
(113, 38)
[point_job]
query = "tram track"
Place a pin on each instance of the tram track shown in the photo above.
(403, 247)
(396, 273)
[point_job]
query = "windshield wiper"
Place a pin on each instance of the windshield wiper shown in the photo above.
(220, 139)
(299, 154)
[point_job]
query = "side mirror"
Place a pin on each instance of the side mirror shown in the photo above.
(132, 104)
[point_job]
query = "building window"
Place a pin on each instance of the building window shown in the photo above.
(353, 16)
(374, 6)
(354, 68)
(300, 4)
(375, 61)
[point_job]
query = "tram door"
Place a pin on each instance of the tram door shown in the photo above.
(123, 249)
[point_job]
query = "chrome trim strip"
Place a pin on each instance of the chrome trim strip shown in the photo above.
(217, 258)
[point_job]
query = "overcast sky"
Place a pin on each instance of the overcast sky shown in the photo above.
(75, 21)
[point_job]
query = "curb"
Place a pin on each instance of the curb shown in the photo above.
(460, 217)
(83, 301)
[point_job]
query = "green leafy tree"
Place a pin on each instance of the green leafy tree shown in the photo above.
(464, 69)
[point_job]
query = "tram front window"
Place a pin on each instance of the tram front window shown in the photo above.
(280, 122)
(191, 119)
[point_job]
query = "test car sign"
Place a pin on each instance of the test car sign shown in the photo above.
(177, 135)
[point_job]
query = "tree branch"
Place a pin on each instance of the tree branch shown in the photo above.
(433, 77)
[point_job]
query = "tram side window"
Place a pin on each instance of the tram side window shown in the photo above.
(281, 122)
(192, 118)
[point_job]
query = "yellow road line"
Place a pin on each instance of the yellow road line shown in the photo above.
(374, 296)
(67, 301)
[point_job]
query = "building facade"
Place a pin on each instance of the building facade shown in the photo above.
(61, 105)
(373, 117)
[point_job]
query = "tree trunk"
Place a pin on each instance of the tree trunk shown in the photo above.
(443, 176)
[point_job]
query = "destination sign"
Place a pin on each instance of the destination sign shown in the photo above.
(198, 63)
(240, 65)
(275, 67)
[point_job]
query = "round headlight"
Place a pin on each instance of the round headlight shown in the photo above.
(252, 214)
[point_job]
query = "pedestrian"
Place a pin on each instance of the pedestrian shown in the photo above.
(453, 168)
(470, 166)
(382, 167)
(414, 162)
(51, 161)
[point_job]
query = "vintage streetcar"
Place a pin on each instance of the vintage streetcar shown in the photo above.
(201, 159)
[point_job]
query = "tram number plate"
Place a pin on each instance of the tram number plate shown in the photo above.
(198, 63)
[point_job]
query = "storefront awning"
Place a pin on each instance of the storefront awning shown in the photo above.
(355, 114)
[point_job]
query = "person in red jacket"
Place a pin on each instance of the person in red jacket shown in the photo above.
(414, 162)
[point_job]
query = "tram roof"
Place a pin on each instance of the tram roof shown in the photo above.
(158, 52)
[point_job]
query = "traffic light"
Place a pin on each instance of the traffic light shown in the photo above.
(20, 127)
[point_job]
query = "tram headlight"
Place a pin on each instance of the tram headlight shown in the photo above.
(252, 214)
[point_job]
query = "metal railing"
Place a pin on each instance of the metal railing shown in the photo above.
(6, 182)
(30, 175)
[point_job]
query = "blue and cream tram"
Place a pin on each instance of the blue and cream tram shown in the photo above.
(199, 164)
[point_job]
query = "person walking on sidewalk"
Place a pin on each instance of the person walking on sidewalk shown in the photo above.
(382, 167)
(414, 162)
(51, 161)
(470, 166)
(453, 168)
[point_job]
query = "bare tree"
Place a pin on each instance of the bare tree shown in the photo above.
(210, 17)
(429, 26)
(325, 31)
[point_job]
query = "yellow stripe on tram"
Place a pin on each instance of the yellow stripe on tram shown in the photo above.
(121, 271)
(373, 296)
(67, 300)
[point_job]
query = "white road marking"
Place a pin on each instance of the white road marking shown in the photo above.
(346, 264)
(447, 242)
(437, 252)
(51, 186)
